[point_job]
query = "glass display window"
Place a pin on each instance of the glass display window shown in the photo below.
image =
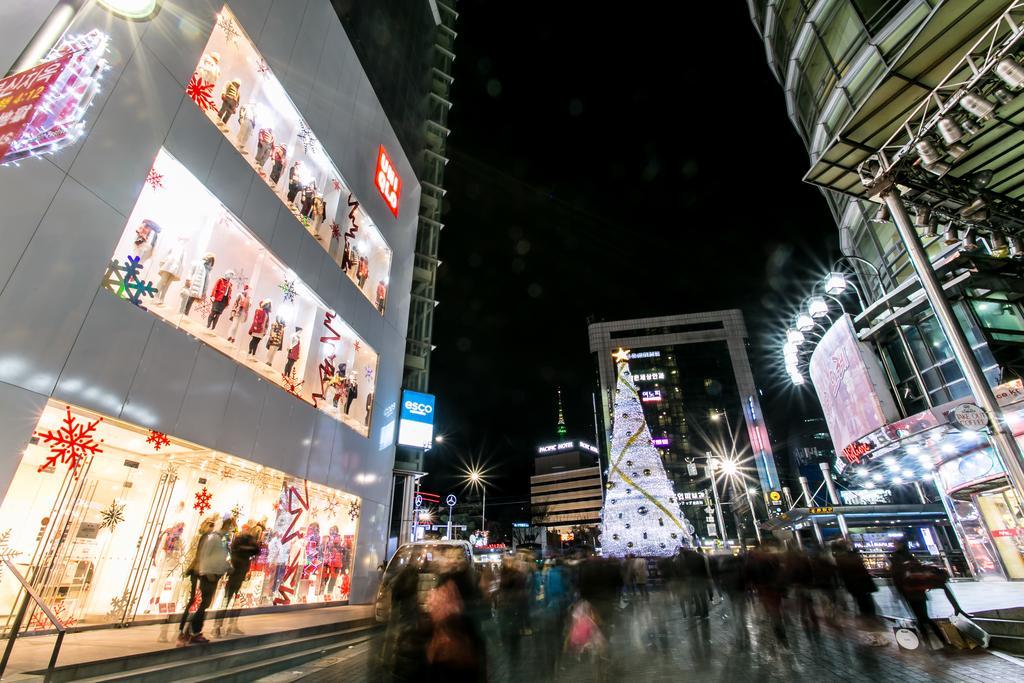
(238, 91)
(1005, 520)
(110, 540)
(188, 260)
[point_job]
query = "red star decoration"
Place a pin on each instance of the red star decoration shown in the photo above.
(203, 499)
(158, 439)
(201, 92)
(335, 231)
(154, 179)
(72, 443)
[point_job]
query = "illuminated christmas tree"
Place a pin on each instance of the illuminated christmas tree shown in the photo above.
(641, 515)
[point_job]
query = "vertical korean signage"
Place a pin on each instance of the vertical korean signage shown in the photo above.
(853, 392)
(388, 183)
(416, 421)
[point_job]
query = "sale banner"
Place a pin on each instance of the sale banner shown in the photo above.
(20, 96)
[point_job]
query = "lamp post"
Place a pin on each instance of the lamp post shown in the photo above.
(714, 464)
(475, 478)
(753, 514)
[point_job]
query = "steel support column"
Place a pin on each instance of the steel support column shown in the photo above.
(810, 503)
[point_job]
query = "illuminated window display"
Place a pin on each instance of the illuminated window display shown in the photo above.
(236, 89)
(184, 257)
(107, 540)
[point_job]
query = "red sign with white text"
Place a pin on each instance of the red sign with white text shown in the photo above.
(387, 181)
(21, 94)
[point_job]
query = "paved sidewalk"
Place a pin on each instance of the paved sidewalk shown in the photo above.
(33, 652)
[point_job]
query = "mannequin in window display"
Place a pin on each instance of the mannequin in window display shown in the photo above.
(382, 295)
(239, 313)
(220, 298)
(229, 100)
(264, 148)
(337, 384)
(319, 211)
(170, 268)
(369, 409)
(332, 552)
(246, 125)
(197, 281)
(311, 570)
(308, 194)
(260, 326)
(294, 181)
(353, 392)
(277, 562)
(280, 159)
(169, 548)
(275, 340)
(294, 349)
(363, 273)
(209, 67)
(145, 239)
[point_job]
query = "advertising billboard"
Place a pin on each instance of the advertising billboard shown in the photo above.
(416, 421)
(853, 392)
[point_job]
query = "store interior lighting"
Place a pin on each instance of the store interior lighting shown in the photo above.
(795, 336)
(977, 105)
(804, 323)
(950, 131)
(1010, 72)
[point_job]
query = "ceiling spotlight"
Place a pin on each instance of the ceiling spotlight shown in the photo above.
(922, 216)
(1002, 95)
(897, 480)
(877, 477)
(881, 215)
(970, 127)
(835, 284)
(913, 449)
(817, 307)
(976, 205)
(958, 150)
(998, 246)
(939, 168)
(970, 243)
(950, 236)
(1016, 247)
(977, 105)
(804, 323)
(891, 463)
(1010, 72)
(949, 130)
(795, 336)
(909, 474)
(797, 380)
(868, 485)
(926, 150)
(981, 179)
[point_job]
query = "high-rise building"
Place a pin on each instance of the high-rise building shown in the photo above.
(700, 402)
(905, 110)
(215, 215)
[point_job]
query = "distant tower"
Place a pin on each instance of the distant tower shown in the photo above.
(562, 431)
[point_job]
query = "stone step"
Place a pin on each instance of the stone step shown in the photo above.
(175, 664)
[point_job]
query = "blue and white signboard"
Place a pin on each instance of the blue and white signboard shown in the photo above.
(416, 421)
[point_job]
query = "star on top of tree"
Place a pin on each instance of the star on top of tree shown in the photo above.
(621, 356)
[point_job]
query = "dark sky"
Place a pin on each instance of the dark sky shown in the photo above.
(633, 164)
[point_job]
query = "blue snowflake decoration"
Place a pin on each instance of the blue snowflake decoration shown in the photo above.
(132, 266)
(124, 282)
(137, 289)
(287, 290)
(369, 374)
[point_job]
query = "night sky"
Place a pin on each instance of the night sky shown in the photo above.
(643, 165)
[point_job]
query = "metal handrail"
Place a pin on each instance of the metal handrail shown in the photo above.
(31, 595)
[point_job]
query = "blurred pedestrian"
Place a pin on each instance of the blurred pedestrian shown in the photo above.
(913, 580)
(767, 579)
(456, 650)
(191, 577)
(212, 563)
(244, 546)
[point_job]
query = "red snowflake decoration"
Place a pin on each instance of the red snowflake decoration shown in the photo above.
(72, 443)
(291, 385)
(335, 231)
(39, 622)
(357, 346)
(201, 92)
(154, 179)
(203, 499)
(335, 183)
(263, 68)
(158, 439)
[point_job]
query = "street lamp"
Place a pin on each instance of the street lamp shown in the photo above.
(713, 464)
(753, 515)
(475, 477)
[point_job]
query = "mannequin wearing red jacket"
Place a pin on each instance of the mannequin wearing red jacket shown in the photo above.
(260, 325)
(219, 298)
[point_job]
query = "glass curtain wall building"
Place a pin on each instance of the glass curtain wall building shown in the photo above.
(852, 71)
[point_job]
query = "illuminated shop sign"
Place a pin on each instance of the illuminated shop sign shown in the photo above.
(661, 441)
(692, 498)
(416, 420)
(865, 496)
(650, 395)
(644, 354)
(189, 261)
(648, 376)
(139, 502)
(42, 108)
(567, 446)
(387, 181)
(238, 92)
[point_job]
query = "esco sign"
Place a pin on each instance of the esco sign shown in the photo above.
(421, 409)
